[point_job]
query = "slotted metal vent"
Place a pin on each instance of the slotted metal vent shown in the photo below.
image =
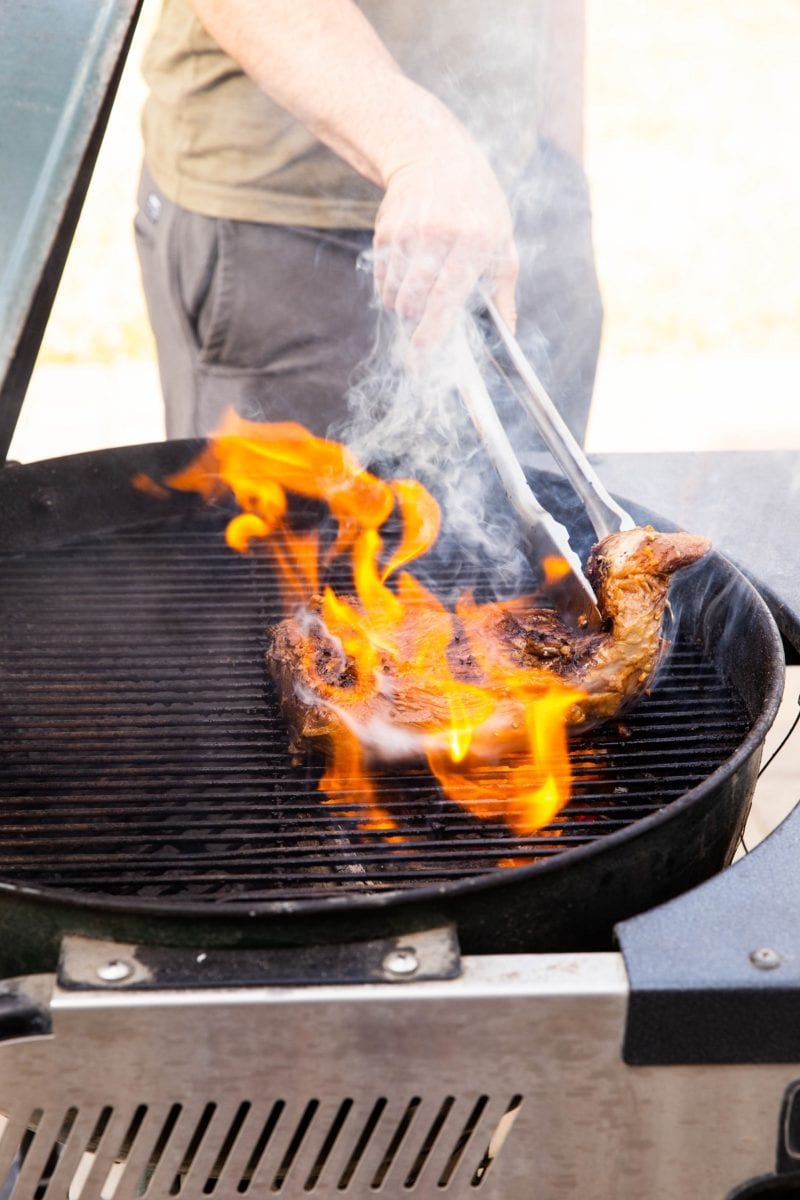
(284, 1148)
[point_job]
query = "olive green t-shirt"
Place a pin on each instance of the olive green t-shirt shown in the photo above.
(215, 143)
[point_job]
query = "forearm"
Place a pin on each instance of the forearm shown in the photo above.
(563, 76)
(322, 61)
(444, 221)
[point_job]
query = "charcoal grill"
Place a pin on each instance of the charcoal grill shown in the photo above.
(223, 1023)
(147, 781)
(161, 844)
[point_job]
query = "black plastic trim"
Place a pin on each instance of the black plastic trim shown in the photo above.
(24, 1007)
(715, 974)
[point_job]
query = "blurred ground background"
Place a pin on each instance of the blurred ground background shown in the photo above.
(692, 112)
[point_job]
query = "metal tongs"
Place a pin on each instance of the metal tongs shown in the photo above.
(567, 587)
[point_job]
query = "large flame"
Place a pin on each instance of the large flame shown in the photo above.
(494, 734)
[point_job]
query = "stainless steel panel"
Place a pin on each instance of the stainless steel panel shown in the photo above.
(546, 1028)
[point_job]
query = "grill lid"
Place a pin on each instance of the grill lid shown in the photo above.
(55, 98)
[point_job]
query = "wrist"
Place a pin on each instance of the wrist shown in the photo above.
(420, 128)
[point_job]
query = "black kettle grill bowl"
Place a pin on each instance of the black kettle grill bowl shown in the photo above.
(146, 790)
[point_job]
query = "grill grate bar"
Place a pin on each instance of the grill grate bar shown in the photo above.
(391, 864)
(249, 792)
(33, 691)
(69, 821)
(141, 735)
(396, 853)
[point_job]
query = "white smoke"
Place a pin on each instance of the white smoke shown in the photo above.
(407, 417)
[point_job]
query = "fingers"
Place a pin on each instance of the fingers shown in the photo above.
(445, 298)
(388, 272)
(429, 288)
(408, 277)
(422, 269)
(436, 237)
(504, 281)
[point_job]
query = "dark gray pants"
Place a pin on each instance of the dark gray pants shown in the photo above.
(273, 321)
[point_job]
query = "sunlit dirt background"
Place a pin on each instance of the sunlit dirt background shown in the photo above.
(692, 117)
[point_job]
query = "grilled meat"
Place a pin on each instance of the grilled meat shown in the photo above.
(320, 689)
(630, 572)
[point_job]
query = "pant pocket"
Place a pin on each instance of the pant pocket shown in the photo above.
(194, 270)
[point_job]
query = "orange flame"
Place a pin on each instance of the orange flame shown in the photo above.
(494, 733)
(555, 568)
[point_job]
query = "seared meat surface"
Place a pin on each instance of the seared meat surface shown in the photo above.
(630, 572)
(320, 689)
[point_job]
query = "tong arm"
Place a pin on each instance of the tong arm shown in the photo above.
(544, 536)
(603, 511)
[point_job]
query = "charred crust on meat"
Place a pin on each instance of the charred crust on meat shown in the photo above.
(630, 572)
(333, 668)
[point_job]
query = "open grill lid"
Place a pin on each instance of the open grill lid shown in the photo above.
(55, 99)
(146, 782)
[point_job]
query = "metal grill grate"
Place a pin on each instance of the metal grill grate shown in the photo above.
(144, 754)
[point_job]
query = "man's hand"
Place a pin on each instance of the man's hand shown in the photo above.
(444, 223)
(443, 226)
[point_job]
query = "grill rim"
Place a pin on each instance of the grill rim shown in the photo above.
(50, 500)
